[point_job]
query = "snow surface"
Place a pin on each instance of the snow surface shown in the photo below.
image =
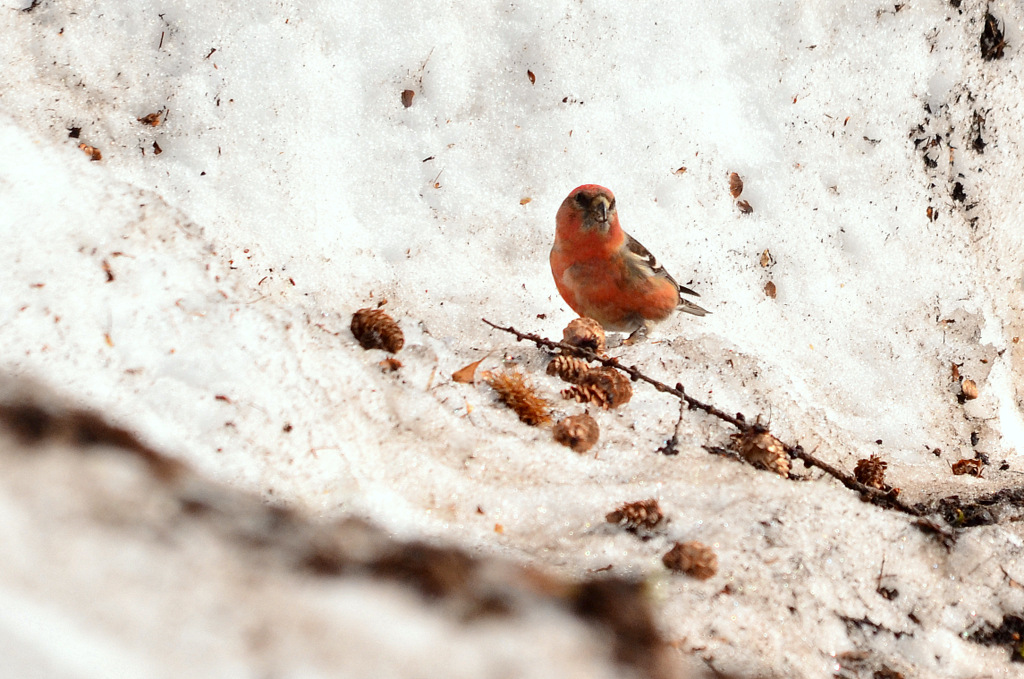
(293, 187)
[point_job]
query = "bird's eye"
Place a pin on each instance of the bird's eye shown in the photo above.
(581, 199)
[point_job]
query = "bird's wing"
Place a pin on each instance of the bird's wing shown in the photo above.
(642, 258)
(644, 261)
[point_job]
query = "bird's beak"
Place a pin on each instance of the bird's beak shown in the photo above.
(600, 207)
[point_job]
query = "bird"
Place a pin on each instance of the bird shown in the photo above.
(604, 273)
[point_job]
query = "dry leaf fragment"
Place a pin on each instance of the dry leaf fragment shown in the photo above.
(579, 432)
(525, 200)
(681, 170)
(466, 374)
(514, 391)
(744, 207)
(153, 119)
(769, 289)
(767, 259)
(531, 76)
(375, 329)
(693, 558)
(735, 185)
(407, 96)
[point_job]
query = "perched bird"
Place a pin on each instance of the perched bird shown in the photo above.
(604, 273)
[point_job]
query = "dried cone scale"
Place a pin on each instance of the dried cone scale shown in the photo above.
(735, 185)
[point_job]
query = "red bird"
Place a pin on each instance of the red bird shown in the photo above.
(604, 273)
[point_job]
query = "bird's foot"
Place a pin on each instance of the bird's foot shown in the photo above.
(637, 336)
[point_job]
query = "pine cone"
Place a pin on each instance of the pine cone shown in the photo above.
(515, 392)
(569, 368)
(376, 330)
(605, 387)
(760, 448)
(637, 516)
(585, 333)
(579, 432)
(693, 558)
(871, 472)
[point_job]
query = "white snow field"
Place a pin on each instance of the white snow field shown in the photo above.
(195, 286)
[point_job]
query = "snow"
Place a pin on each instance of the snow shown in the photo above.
(293, 187)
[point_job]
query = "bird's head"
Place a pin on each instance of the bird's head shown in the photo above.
(592, 207)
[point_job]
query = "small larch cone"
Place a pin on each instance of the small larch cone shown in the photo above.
(871, 472)
(376, 330)
(579, 432)
(585, 333)
(568, 368)
(639, 516)
(761, 449)
(515, 392)
(693, 558)
(605, 387)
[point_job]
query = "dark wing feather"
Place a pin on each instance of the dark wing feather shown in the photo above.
(645, 260)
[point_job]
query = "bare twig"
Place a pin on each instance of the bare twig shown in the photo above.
(873, 495)
(671, 446)
(634, 373)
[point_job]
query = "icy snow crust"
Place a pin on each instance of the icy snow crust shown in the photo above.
(293, 187)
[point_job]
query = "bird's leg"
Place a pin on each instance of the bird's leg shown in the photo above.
(638, 335)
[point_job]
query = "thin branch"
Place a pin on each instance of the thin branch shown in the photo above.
(671, 446)
(631, 370)
(873, 495)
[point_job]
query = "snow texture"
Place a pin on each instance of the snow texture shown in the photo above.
(196, 284)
